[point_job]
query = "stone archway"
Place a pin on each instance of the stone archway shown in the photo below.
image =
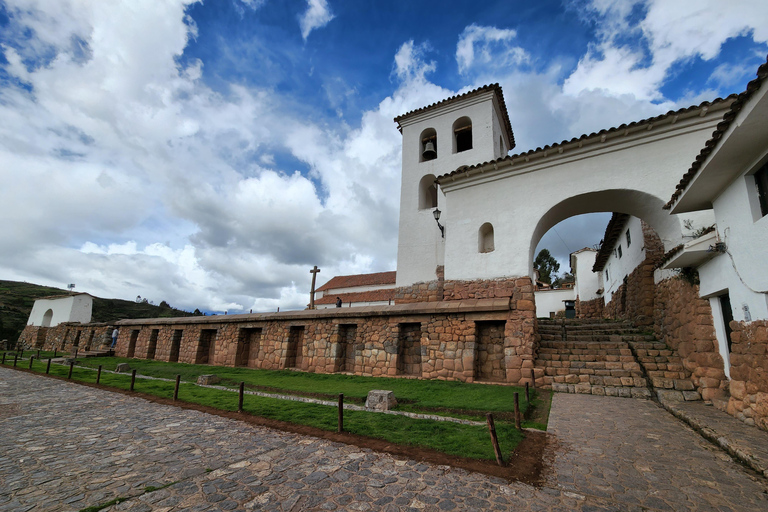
(636, 203)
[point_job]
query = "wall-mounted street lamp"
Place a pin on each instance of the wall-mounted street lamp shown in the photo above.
(436, 213)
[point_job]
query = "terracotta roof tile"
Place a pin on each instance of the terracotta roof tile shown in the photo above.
(376, 279)
(612, 233)
(371, 296)
(722, 127)
(559, 146)
(491, 87)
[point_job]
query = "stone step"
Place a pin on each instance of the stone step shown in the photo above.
(564, 346)
(552, 368)
(596, 380)
(588, 389)
(586, 358)
(588, 351)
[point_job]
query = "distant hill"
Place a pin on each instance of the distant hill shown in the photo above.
(16, 300)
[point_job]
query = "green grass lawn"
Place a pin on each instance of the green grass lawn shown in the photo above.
(412, 394)
(451, 438)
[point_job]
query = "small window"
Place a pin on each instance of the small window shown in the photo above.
(428, 145)
(629, 239)
(462, 135)
(761, 181)
(618, 251)
(427, 192)
(485, 238)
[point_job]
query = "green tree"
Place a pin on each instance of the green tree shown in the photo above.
(547, 265)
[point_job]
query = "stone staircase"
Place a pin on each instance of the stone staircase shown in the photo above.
(604, 357)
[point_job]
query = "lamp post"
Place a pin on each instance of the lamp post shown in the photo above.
(436, 214)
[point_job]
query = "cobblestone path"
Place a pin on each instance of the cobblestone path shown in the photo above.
(65, 447)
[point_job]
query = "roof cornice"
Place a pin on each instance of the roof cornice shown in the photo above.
(492, 88)
(717, 135)
(596, 140)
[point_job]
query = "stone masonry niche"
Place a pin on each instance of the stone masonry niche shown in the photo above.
(409, 349)
(206, 347)
(132, 343)
(175, 345)
(346, 350)
(294, 354)
(152, 347)
(247, 346)
(489, 353)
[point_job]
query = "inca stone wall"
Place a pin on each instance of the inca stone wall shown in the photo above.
(68, 336)
(684, 322)
(749, 373)
(426, 340)
(590, 308)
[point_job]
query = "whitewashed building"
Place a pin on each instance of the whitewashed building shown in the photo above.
(51, 311)
(376, 289)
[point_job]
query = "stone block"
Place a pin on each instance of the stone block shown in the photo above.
(208, 380)
(380, 400)
(670, 395)
(691, 396)
(684, 385)
(583, 388)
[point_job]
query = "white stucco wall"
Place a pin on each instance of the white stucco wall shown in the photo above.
(587, 282)
(742, 271)
(355, 304)
(352, 289)
(420, 245)
(75, 308)
(551, 301)
(632, 174)
(632, 255)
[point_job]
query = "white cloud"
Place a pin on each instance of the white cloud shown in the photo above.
(673, 32)
(317, 15)
(486, 46)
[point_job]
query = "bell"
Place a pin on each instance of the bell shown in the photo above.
(429, 151)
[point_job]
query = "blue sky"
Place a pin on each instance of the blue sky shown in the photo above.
(210, 153)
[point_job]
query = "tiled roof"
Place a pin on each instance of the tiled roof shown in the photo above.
(379, 278)
(492, 87)
(559, 147)
(669, 255)
(717, 135)
(371, 296)
(612, 233)
(675, 250)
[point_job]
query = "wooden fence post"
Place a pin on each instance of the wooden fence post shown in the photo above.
(517, 411)
(341, 413)
(176, 389)
(48, 367)
(494, 439)
(98, 375)
(240, 402)
(71, 365)
(133, 379)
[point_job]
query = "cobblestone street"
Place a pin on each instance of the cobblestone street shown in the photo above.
(66, 447)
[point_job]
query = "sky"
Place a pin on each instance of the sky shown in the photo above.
(210, 153)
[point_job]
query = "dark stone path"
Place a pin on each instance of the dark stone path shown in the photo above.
(65, 447)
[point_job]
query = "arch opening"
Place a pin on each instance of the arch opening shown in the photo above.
(485, 241)
(462, 134)
(638, 204)
(427, 192)
(427, 145)
(47, 317)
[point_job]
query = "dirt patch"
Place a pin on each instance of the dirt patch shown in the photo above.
(529, 463)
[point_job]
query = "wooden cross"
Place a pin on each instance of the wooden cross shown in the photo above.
(314, 272)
